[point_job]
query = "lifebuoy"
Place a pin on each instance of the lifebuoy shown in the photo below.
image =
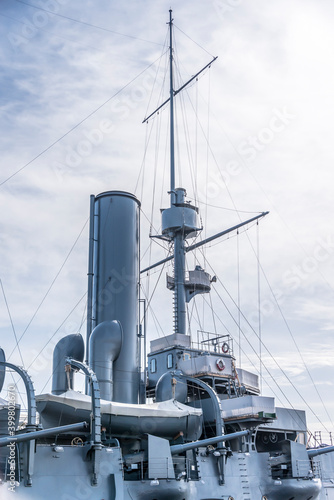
(273, 437)
(220, 364)
(225, 348)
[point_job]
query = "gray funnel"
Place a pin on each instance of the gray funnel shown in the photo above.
(113, 282)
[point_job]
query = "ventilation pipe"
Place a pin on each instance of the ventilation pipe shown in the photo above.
(104, 347)
(71, 346)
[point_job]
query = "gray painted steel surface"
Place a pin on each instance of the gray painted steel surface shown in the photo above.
(154, 451)
(72, 346)
(104, 346)
(115, 282)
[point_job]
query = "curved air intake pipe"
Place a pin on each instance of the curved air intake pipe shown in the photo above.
(71, 346)
(105, 345)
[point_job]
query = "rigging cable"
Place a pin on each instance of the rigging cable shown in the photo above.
(51, 33)
(78, 124)
(52, 283)
(190, 315)
(87, 24)
(187, 143)
(147, 139)
(196, 143)
(181, 100)
(260, 268)
(296, 345)
(242, 160)
(198, 45)
(207, 161)
(56, 367)
(155, 319)
(12, 324)
(16, 340)
(229, 193)
(213, 316)
(259, 299)
(252, 347)
(238, 284)
(59, 327)
(267, 350)
(229, 209)
(257, 369)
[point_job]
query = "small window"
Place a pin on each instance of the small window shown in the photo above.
(153, 365)
(170, 360)
(186, 356)
(300, 438)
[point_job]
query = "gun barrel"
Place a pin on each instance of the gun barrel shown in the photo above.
(179, 448)
(319, 451)
(28, 436)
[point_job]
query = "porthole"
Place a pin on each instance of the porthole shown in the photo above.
(170, 360)
(153, 365)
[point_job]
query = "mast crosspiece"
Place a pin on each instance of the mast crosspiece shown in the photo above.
(180, 220)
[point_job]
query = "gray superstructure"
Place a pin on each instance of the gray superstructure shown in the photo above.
(191, 425)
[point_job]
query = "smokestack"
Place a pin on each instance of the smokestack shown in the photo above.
(113, 284)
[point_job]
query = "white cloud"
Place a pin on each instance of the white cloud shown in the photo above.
(55, 76)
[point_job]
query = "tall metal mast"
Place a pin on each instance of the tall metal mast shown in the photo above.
(171, 96)
(177, 198)
(180, 220)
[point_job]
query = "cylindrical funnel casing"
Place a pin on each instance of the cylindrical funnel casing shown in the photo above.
(116, 282)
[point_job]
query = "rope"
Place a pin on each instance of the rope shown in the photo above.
(87, 24)
(77, 125)
(271, 356)
(49, 289)
(11, 321)
(259, 301)
(239, 316)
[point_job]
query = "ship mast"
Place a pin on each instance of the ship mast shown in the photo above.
(176, 198)
(180, 220)
(171, 97)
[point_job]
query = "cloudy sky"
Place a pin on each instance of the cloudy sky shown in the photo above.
(76, 83)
